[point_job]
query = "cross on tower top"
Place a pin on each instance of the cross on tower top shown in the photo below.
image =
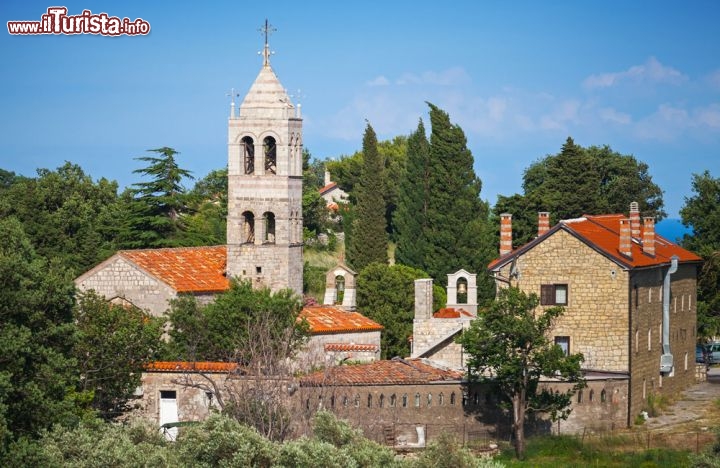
(267, 29)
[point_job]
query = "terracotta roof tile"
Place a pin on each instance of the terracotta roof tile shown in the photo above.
(328, 319)
(185, 269)
(449, 312)
(603, 234)
(327, 188)
(357, 347)
(393, 372)
(186, 366)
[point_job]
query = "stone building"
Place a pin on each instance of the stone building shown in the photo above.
(629, 297)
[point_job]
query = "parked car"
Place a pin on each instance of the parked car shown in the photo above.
(713, 352)
(700, 354)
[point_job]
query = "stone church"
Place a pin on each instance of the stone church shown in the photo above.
(264, 233)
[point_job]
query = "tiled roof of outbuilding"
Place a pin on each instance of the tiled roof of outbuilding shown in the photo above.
(450, 312)
(185, 269)
(187, 366)
(393, 372)
(602, 233)
(328, 319)
(357, 347)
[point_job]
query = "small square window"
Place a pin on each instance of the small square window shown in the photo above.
(554, 294)
(564, 343)
(258, 270)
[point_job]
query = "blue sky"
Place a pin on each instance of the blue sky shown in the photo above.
(518, 77)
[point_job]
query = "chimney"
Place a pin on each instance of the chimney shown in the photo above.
(423, 298)
(625, 239)
(649, 235)
(635, 220)
(543, 222)
(505, 234)
(327, 178)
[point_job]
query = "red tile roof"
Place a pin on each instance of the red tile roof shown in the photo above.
(357, 347)
(186, 366)
(449, 312)
(185, 269)
(328, 188)
(602, 233)
(393, 372)
(328, 319)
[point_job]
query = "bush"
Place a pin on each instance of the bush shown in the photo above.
(445, 452)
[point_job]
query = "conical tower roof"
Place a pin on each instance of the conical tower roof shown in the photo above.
(265, 93)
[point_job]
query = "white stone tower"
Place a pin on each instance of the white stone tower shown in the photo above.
(264, 223)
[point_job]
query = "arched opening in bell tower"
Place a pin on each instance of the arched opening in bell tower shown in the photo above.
(270, 148)
(269, 219)
(248, 150)
(248, 227)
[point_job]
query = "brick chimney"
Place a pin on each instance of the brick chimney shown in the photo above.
(649, 235)
(543, 222)
(423, 298)
(635, 220)
(625, 239)
(505, 234)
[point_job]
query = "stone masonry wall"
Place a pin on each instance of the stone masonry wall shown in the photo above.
(314, 354)
(596, 316)
(429, 331)
(116, 277)
(646, 334)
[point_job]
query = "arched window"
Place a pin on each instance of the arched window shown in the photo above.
(357, 401)
(269, 219)
(603, 396)
(429, 399)
(332, 401)
(339, 289)
(580, 396)
(270, 149)
(441, 399)
(381, 401)
(369, 400)
(393, 400)
(461, 291)
(591, 397)
(452, 398)
(345, 401)
(405, 400)
(248, 227)
(248, 154)
(417, 399)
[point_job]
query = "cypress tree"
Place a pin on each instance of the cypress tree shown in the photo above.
(414, 194)
(456, 232)
(369, 243)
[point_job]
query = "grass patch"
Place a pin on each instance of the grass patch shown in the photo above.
(569, 451)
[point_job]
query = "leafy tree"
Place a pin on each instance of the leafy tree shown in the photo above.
(701, 212)
(369, 242)
(113, 345)
(413, 198)
(64, 213)
(453, 219)
(37, 374)
(577, 181)
(508, 345)
(386, 294)
(205, 223)
(155, 208)
(314, 208)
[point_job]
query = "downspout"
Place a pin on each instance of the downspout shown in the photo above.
(666, 359)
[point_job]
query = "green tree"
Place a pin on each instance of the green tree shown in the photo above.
(413, 198)
(369, 241)
(457, 229)
(155, 208)
(386, 294)
(65, 214)
(38, 377)
(205, 222)
(701, 212)
(577, 181)
(113, 345)
(314, 208)
(508, 345)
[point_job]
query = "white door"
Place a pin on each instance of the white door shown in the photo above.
(168, 412)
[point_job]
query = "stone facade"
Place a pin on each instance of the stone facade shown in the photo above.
(334, 348)
(264, 222)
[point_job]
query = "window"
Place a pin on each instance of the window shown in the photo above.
(429, 399)
(580, 396)
(270, 155)
(381, 402)
(248, 149)
(248, 227)
(554, 294)
(452, 398)
(417, 399)
(591, 397)
(564, 343)
(404, 400)
(393, 400)
(269, 219)
(441, 399)
(369, 401)
(603, 396)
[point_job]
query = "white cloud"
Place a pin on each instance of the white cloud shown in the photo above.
(611, 115)
(652, 71)
(378, 81)
(708, 116)
(454, 76)
(714, 79)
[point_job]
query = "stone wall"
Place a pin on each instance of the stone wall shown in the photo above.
(596, 315)
(117, 277)
(428, 332)
(646, 312)
(314, 354)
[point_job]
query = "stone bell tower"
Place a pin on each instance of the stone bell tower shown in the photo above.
(264, 222)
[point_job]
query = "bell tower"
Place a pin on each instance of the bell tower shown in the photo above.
(264, 222)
